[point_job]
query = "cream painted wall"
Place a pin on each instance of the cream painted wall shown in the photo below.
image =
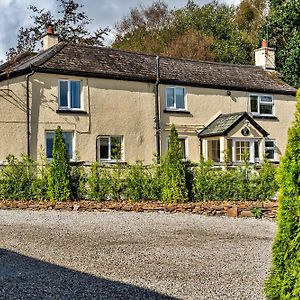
(112, 107)
(13, 125)
(206, 104)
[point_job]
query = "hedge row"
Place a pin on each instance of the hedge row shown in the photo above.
(23, 179)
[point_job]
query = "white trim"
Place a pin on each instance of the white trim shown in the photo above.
(186, 145)
(251, 148)
(271, 148)
(69, 95)
(174, 107)
(259, 102)
(110, 160)
(72, 158)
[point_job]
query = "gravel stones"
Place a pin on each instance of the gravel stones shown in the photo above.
(118, 255)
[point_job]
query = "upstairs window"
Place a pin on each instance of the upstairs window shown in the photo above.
(69, 94)
(175, 98)
(68, 138)
(262, 105)
(110, 148)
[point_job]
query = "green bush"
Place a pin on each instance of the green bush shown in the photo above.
(98, 184)
(284, 279)
(59, 179)
(174, 175)
(136, 182)
(117, 181)
(17, 178)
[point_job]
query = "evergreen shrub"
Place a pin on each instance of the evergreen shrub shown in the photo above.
(59, 179)
(283, 282)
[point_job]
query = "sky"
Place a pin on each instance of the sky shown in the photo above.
(15, 13)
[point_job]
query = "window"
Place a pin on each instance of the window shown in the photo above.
(69, 94)
(242, 148)
(213, 150)
(68, 137)
(110, 148)
(270, 149)
(262, 105)
(182, 145)
(256, 151)
(175, 98)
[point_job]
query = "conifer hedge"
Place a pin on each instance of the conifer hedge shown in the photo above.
(283, 282)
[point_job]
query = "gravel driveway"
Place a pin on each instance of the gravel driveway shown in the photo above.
(72, 255)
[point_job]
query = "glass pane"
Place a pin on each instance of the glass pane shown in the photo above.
(269, 144)
(270, 153)
(68, 137)
(75, 94)
(170, 98)
(254, 104)
(256, 150)
(179, 97)
(182, 146)
(266, 109)
(116, 147)
(49, 144)
(104, 150)
(63, 93)
(266, 99)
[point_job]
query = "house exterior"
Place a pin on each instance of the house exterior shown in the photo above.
(119, 106)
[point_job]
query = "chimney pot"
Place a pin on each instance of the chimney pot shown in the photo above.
(50, 29)
(264, 43)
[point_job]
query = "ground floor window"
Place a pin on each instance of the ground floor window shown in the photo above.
(213, 150)
(183, 146)
(245, 149)
(68, 138)
(270, 149)
(110, 148)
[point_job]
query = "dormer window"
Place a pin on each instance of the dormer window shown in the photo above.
(70, 94)
(261, 105)
(175, 98)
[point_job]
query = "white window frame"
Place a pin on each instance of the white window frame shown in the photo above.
(259, 96)
(206, 147)
(186, 145)
(175, 102)
(69, 95)
(271, 148)
(251, 145)
(72, 158)
(110, 160)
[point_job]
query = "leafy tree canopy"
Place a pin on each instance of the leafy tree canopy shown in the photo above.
(210, 32)
(282, 28)
(71, 25)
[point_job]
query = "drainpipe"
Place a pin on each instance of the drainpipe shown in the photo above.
(28, 110)
(157, 115)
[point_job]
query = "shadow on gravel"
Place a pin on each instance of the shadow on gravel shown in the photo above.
(23, 277)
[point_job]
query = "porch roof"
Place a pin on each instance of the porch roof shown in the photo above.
(224, 123)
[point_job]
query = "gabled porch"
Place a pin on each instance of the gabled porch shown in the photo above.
(231, 137)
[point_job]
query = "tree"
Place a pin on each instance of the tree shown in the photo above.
(208, 32)
(173, 176)
(284, 279)
(59, 179)
(71, 25)
(282, 29)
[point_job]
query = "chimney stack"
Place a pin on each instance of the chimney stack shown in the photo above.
(50, 38)
(265, 57)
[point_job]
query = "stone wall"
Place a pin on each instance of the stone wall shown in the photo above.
(212, 208)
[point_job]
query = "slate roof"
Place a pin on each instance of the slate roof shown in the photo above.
(226, 122)
(75, 59)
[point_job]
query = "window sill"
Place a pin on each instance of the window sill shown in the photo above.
(71, 111)
(265, 117)
(185, 112)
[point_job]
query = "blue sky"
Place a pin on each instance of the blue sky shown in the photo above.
(14, 13)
